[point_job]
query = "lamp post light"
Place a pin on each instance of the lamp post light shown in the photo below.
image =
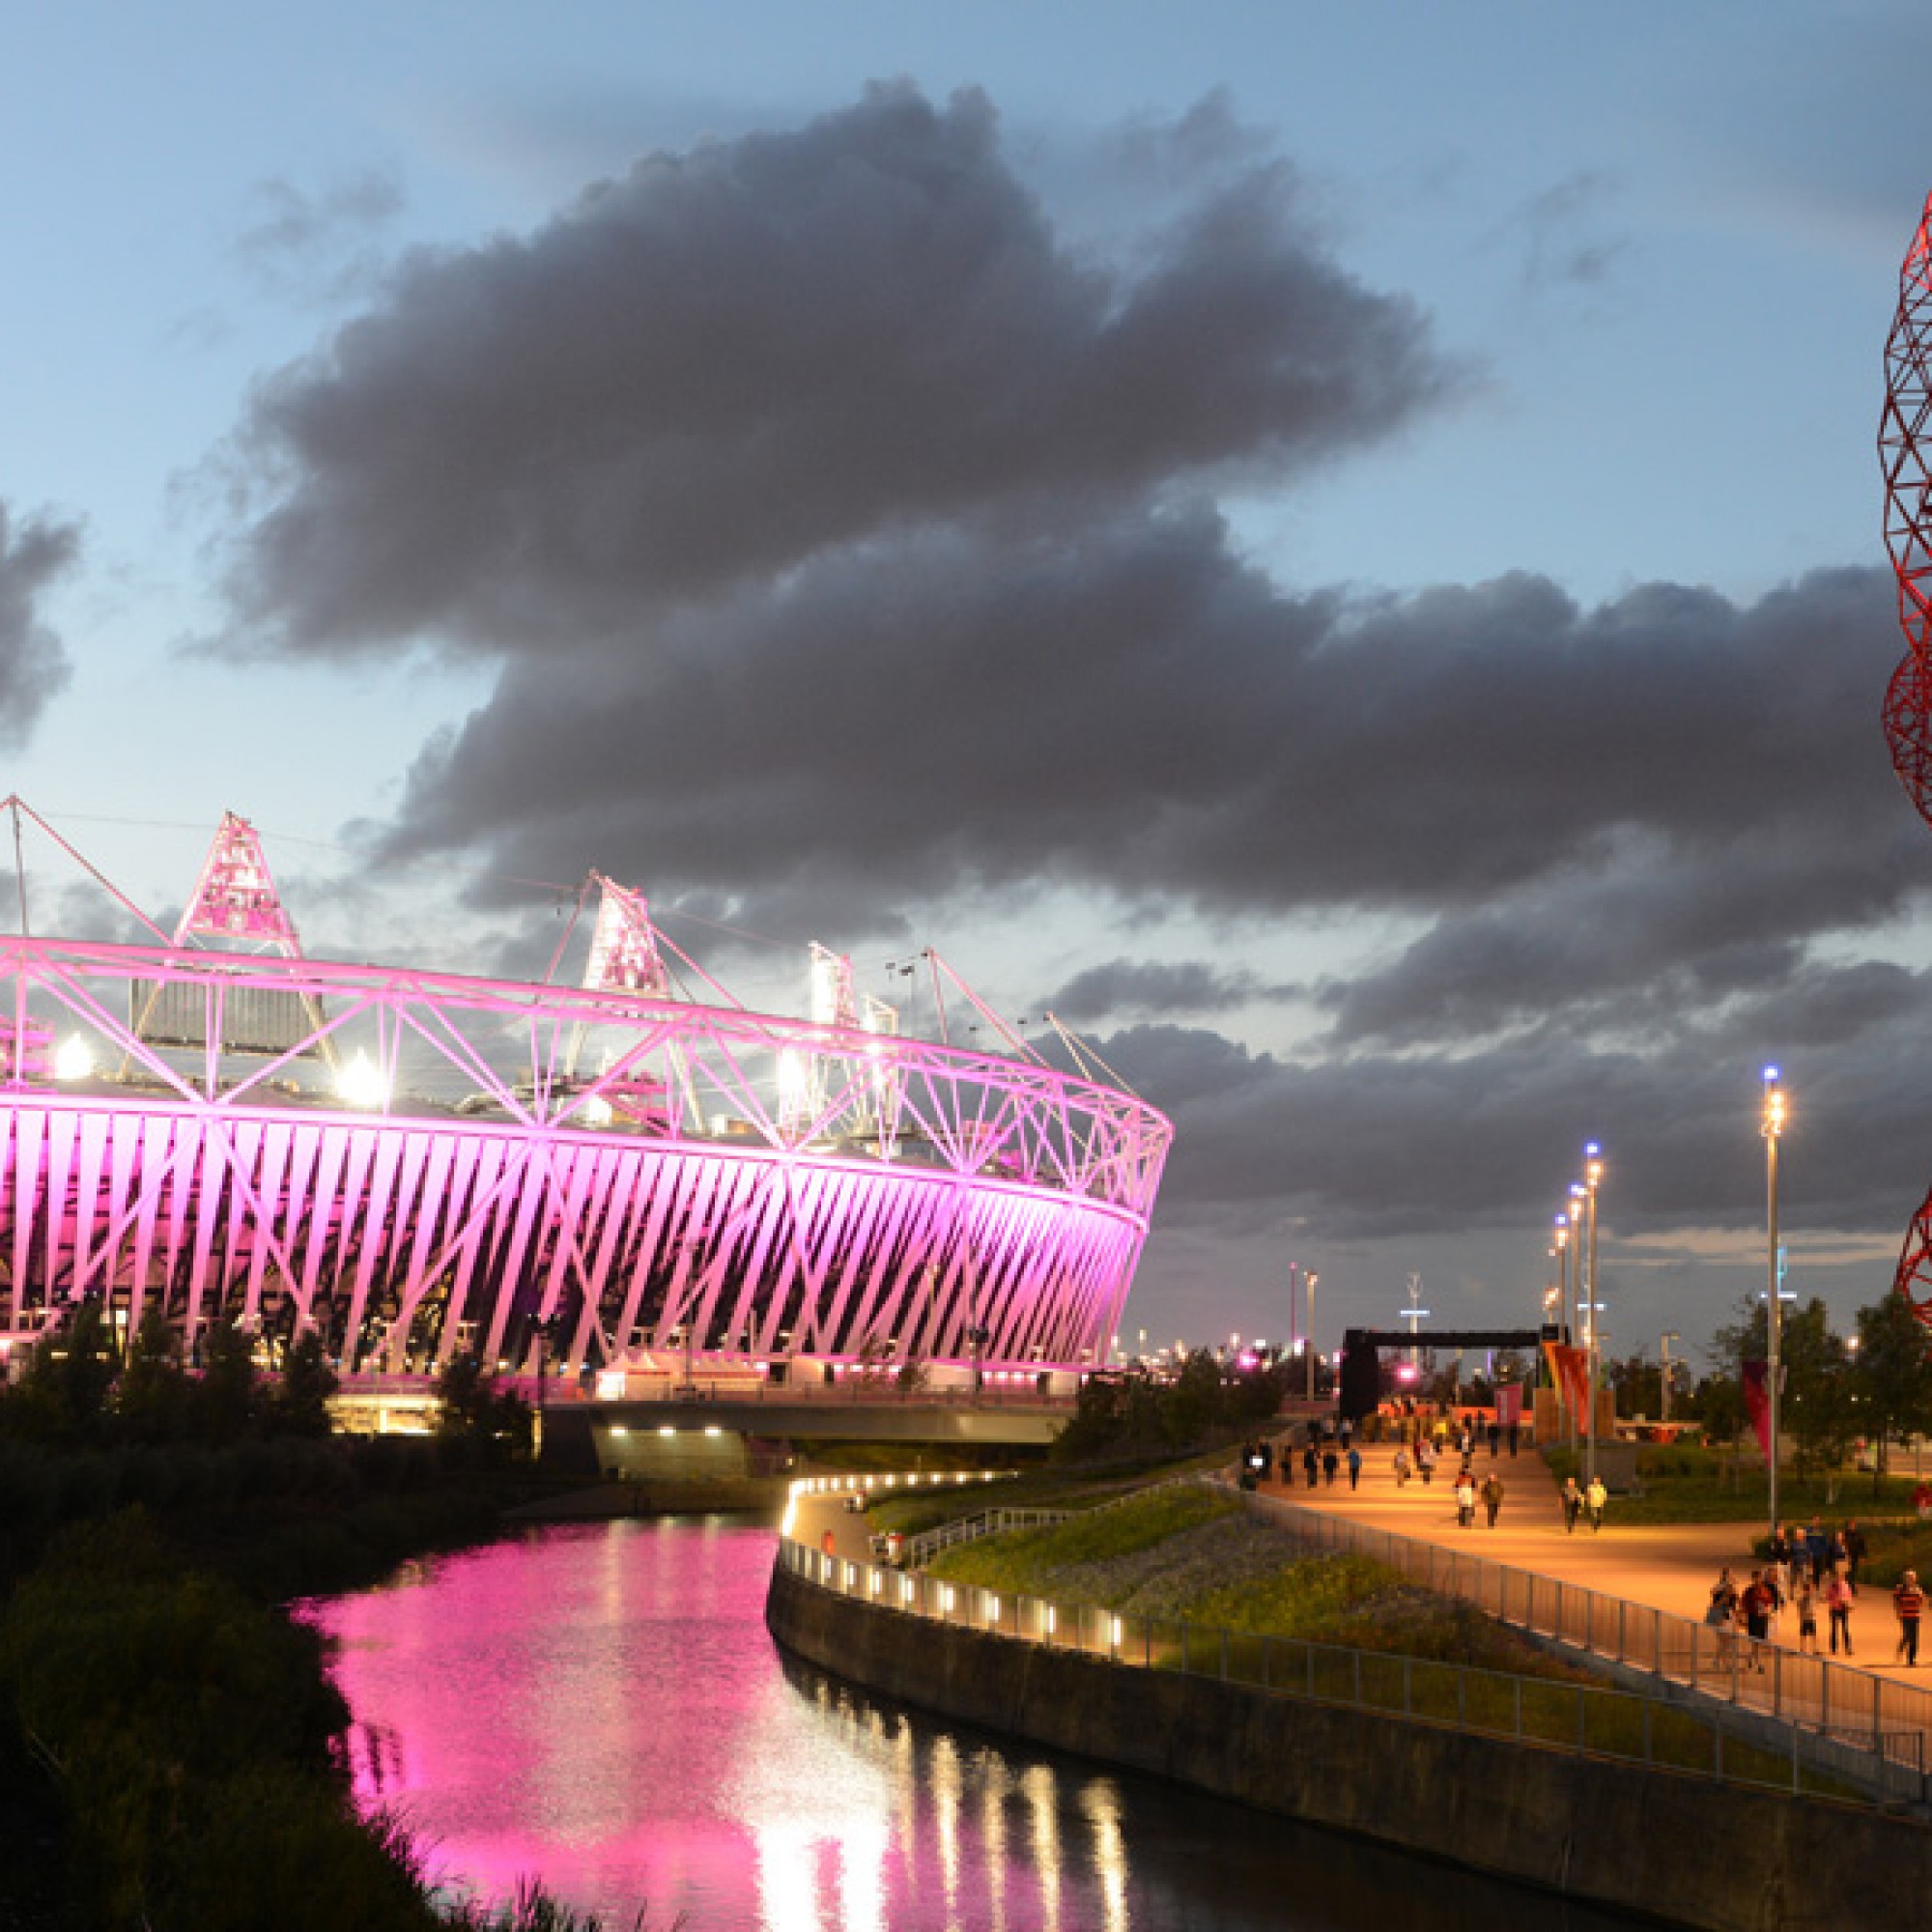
(1772, 1127)
(1312, 1278)
(1593, 1173)
(1665, 1366)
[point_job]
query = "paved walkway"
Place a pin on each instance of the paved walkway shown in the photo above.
(1662, 1565)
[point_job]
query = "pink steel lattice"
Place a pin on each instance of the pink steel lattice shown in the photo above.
(479, 1183)
(1905, 451)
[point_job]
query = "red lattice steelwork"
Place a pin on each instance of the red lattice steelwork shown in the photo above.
(1905, 449)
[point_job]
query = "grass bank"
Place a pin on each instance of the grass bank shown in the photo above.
(1291, 1616)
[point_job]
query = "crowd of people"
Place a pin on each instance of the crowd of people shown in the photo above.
(1808, 1569)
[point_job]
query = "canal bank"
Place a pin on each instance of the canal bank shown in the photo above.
(1697, 1853)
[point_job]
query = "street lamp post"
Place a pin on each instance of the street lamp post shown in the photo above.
(1664, 1340)
(1593, 1171)
(1572, 1309)
(1772, 1127)
(1312, 1278)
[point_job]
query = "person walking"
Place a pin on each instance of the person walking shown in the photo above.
(1818, 1548)
(1495, 1432)
(1754, 1607)
(1516, 1434)
(1857, 1549)
(1908, 1602)
(1595, 1498)
(1424, 1459)
(1330, 1462)
(1402, 1464)
(1807, 1604)
(1492, 1496)
(1722, 1613)
(1353, 1459)
(1466, 1499)
(1838, 1612)
(1310, 1462)
(1573, 1505)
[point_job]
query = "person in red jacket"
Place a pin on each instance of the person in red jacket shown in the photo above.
(1908, 1600)
(1755, 1607)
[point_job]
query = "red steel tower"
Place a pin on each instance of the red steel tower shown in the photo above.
(1905, 450)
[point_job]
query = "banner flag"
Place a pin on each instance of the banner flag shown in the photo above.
(1570, 1369)
(1509, 1405)
(1757, 1404)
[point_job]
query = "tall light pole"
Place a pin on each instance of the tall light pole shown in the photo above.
(1593, 1171)
(1665, 1365)
(1312, 1278)
(1572, 1313)
(1771, 1125)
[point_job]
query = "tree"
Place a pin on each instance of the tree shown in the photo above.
(155, 1395)
(228, 1400)
(1816, 1411)
(300, 1406)
(1638, 1383)
(63, 1395)
(1892, 1376)
(470, 1409)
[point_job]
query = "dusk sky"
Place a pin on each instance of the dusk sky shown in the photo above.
(1337, 548)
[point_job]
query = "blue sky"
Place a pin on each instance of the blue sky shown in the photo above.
(1565, 534)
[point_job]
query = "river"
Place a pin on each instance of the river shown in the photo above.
(600, 1707)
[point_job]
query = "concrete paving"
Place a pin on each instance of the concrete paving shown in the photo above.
(1663, 1566)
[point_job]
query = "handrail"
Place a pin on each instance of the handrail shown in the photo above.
(1836, 1702)
(1580, 1719)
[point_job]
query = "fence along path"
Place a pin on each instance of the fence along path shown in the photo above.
(1859, 1710)
(1645, 1727)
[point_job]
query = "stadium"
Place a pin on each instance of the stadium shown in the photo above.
(626, 1174)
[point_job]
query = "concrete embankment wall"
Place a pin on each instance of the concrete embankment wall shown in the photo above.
(1682, 1849)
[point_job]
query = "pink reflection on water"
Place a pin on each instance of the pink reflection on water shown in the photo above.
(600, 1707)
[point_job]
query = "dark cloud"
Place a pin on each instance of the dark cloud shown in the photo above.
(1587, 792)
(1382, 1147)
(33, 556)
(739, 357)
(1148, 988)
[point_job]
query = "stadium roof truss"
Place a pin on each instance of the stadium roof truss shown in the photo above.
(416, 1162)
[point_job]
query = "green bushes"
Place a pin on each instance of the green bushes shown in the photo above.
(190, 1731)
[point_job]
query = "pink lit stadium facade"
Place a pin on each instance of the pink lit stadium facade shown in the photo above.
(418, 1163)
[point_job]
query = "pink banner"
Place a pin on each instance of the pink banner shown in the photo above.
(1509, 1405)
(1757, 1404)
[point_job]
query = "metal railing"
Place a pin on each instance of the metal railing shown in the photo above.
(1650, 1728)
(925, 1547)
(1838, 1703)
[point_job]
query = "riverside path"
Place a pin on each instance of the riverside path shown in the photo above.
(1668, 1567)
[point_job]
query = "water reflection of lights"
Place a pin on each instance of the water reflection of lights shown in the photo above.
(943, 1777)
(1100, 1801)
(1042, 1794)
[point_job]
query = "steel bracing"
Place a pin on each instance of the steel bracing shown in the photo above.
(418, 1162)
(1905, 452)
